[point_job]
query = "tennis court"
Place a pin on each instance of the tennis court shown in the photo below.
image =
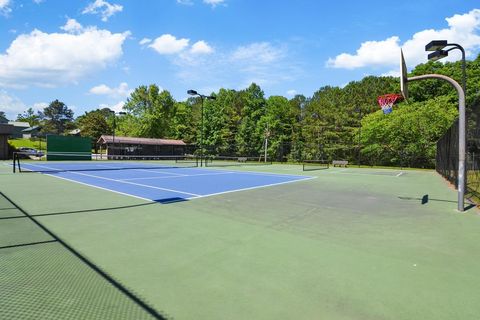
(159, 181)
(243, 242)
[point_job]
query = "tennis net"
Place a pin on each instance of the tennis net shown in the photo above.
(224, 161)
(80, 162)
(310, 165)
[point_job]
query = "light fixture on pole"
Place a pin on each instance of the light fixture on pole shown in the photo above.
(202, 98)
(439, 52)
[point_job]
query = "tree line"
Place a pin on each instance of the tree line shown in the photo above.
(334, 123)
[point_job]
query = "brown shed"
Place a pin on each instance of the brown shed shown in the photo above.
(141, 146)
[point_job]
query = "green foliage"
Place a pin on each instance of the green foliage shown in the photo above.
(335, 123)
(408, 135)
(29, 116)
(250, 137)
(150, 112)
(93, 124)
(57, 118)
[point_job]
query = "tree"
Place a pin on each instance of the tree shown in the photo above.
(93, 124)
(409, 134)
(152, 110)
(277, 124)
(250, 138)
(183, 124)
(30, 117)
(57, 118)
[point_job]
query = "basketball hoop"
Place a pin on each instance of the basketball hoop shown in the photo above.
(387, 101)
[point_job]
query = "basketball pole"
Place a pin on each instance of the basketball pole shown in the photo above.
(461, 133)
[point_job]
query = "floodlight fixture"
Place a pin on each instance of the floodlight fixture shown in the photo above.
(437, 55)
(436, 45)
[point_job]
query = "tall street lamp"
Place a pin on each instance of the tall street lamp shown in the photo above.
(439, 52)
(114, 114)
(202, 98)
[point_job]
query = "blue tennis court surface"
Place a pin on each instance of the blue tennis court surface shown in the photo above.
(163, 183)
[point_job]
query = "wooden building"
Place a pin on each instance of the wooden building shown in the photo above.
(140, 146)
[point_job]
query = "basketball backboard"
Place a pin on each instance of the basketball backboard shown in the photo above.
(403, 77)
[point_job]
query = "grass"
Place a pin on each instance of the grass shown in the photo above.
(29, 143)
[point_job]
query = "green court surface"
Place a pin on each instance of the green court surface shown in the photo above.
(349, 244)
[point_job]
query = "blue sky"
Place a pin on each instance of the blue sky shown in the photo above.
(93, 53)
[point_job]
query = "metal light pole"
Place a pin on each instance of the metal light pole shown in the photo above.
(114, 127)
(359, 109)
(202, 98)
(461, 133)
(438, 46)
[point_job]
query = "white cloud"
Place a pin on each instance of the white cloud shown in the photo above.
(463, 29)
(50, 59)
(214, 3)
(291, 93)
(121, 91)
(39, 106)
(72, 26)
(11, 105)
(117, 107)
(144, 41)
(371, 53)
(263, 52)
(105, 9)
(201, 47)
(168, 44)
(262, 63)
(5, 7)
(38, 1)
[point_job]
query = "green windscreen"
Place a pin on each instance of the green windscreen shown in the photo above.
(58, 148)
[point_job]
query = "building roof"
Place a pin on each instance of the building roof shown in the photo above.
(19, 124)
(134, 140)
(32, 129)
(75, 131)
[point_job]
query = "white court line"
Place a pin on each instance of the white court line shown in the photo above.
(136, 184)
(256, 172)
(366, 174)
(126, 182)
(183, 176)
(94, 186)
(252, 188)
(149, 170)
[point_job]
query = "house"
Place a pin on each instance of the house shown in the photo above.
(32, 132)
(141, 146)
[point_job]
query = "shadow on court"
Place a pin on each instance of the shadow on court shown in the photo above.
(44, 278)
(425, 199)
